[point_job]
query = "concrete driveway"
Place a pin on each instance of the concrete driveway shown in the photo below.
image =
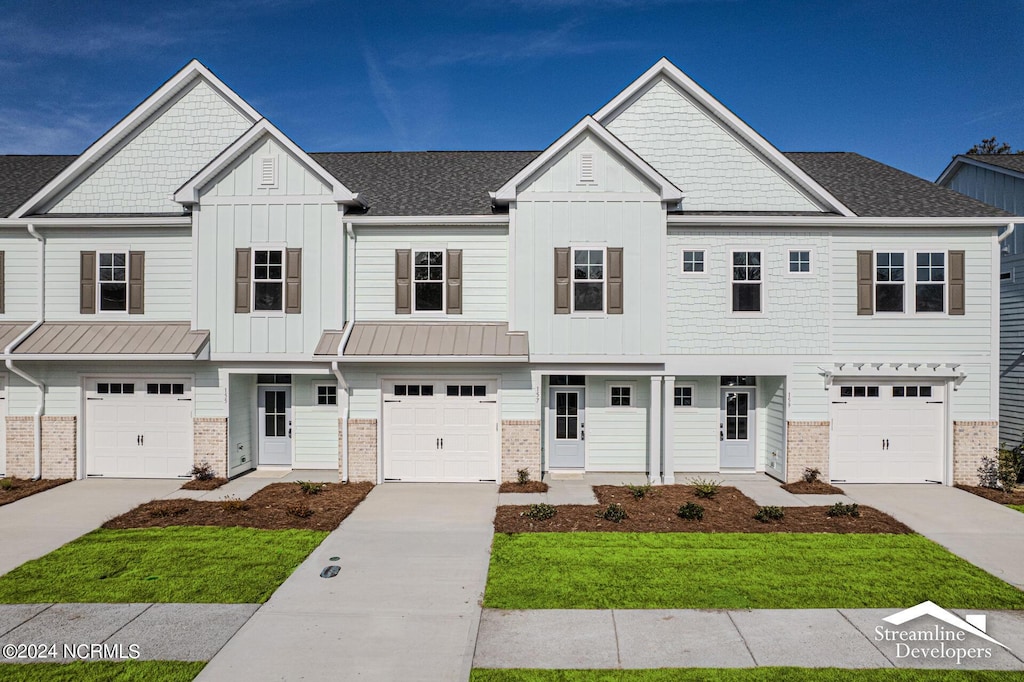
(984, 533)
(39, 524)
(405, 606)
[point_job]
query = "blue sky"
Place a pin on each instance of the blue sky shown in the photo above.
(908, 83)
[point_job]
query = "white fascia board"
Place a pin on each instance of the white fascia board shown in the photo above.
(406, 359)
(670, 71)
(833, 221)
(190, 72)
(668, 191)
(616, 360)
(188, 193)
(425, 220)
(968, 159)
(93, 221)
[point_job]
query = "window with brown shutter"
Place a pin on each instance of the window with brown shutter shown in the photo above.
(403, 281)
(562, 276)
(615, 281)
(453, 282)
(293, 281)
(87, 283)
(243, 282)
(136, 282)
(865, 283)
(956, 283)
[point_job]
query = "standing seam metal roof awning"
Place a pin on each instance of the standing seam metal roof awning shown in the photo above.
(428, 339)
(169, 340)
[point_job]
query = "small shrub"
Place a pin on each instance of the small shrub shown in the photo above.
(202, 472)
(811, 475)
(540, 512)
(299, 509)
(614, 513)
(691, 511)
(639, 491)
(311, 487)
(840, 509)
(233, 504)
(1004, 471)
(6, 483)
(766, 514)
(705, 488)
(522, 476)
(988, 473)
(170, 509)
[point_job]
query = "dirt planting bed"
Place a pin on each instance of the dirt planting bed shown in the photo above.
(1016, 497)
(729, 511)
(808, 488)
(278, 506)
(204, 484)
(528, 487)
(14, 489)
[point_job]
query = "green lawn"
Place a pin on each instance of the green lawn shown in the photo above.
(176, 564)
(734, 571)
(1018, 507)
(743, 675)
(101, 671)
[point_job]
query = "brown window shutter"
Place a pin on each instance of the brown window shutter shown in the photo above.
(614, 275)
(3, 282)
(403, 281)
(453, 285)
(136, 282)
(865, 283)
(243, 280)
(956, 282)
(293, 281)
(87, 283)
(562, 256)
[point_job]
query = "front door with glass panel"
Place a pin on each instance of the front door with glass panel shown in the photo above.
(566, 424)
(736, 428)
(275, 419)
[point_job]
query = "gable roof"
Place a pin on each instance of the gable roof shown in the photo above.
(1008, 164)
(588, 125)
(23, 176)
(666, 69)
(873, 189)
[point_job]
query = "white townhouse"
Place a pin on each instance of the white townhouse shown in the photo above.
(660, 290)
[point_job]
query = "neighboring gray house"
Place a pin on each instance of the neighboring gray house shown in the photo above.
(660, 290)
(998, 179)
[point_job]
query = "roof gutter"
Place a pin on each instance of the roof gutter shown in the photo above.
(37, 416)
(99, 221)
(830, 221)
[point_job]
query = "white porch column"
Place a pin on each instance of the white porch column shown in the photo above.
(668, 430)
(654, 432)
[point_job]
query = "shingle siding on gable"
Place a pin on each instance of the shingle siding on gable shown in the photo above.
(713, 169)
(141, 176)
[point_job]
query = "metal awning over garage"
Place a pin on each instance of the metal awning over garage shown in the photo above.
(113, 341)
(375, 341)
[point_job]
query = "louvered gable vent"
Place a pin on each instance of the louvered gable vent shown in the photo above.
(268, 172)
(586, 168)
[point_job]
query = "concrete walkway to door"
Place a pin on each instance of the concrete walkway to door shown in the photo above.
(405, 606)
(984, 533)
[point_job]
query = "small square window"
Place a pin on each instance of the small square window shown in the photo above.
(846, 391)
(799, 262)
(693, 262)
(925, 392)
(400, 389)
(621, 396)
(897, 392)
(326, 394)
(683, 396)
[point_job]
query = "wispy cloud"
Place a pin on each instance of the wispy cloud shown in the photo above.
(388, 100)
(996, 112)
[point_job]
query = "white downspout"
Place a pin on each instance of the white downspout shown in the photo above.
(343, 388)
(350, 310)
(1004, 235)
(37, 416)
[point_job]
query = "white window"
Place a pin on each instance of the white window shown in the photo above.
(800, 262)
(693, 262)
(588, 280)
(930, 282)
(113, 281)
(466, 390)
(268, 280)
(165, 389)
(325, 394)
(890, 279)
(428, 281)
(746, 281)
(685, 395)
(115, 389)
(858, 391)
(620, 395)
(424, 390)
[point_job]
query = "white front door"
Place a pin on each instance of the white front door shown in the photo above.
(887, 432)
(566, 419)
(275, 418)
(138, 428)
(736, 428)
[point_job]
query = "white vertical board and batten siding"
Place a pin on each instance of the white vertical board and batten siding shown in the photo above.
(620, 209)
(238, 214)
(484, 269)
(700, 155)
(141, 174)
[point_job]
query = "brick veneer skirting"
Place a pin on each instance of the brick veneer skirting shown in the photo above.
(520, 448)
(972, 441)
(210, 443)
(60, 447)
(807, 446)
(362, 449)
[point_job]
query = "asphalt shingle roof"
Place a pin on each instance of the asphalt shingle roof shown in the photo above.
(1014, 162)
(872, 189)
(23, 176)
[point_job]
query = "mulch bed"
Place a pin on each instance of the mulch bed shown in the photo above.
(528, 487)
(729, 511)
(208, 484)
(1016, 497)
(278, 506)
(809, 488)
(23, 487)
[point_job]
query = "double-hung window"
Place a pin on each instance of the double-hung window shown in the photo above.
(890, 279)
(268, 280)
(428, 281)
(588, 280)
(113, 281)
(746, 281)
(930, 282)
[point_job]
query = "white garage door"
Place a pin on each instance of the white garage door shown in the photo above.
(138, 428)
(438, 431)
(888, 432)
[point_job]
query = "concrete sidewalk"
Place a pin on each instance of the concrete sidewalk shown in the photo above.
(811, 638)
(984, 533)
(39, 524)
(405, 605)
(161, 632)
